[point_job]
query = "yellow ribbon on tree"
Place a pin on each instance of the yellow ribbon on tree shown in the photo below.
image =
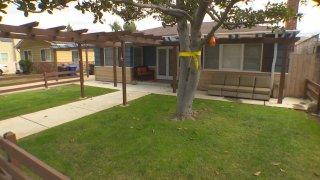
(193, 55)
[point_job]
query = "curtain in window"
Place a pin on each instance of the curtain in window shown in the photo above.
(27, 55)
(137, 59)
(3, 57)
(231, 57)
(108, 56)
(252, 57)
(45, 55)
(75, 56)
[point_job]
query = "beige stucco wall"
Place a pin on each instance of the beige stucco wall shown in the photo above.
(13, 55)
(35, 46)
(62, 56)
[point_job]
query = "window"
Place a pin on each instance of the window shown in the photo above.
(75, 56)
(45, 55)
(27, 55)
(211, 57)
(231, 57)
(4, 57)
(108, 56)
(252, 57)
(137, 56)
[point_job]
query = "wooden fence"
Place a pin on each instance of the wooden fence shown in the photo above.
(37, 80)
(16, 159)
(312, 92)
(301, 67)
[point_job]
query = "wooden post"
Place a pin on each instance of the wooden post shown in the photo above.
(175, 61)
(283, 71)
(306, 89)
(10, 136)
(274, 60)
(45, 80)
(115, 57)
(124, 79)
(87, 62)
(56, 62)
(318, 100)
(81, 70)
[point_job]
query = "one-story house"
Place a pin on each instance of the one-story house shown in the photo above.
(8, 54)
(245, 51)
(47, 56)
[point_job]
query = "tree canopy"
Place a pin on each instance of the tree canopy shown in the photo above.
(115, 26)
(69, 28)
(129, 26)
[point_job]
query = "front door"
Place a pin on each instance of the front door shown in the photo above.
(164, 63)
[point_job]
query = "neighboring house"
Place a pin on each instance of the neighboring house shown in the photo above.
(47, 56)
(8, 54)
(241, 51)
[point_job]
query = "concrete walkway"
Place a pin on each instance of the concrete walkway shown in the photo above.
(32, 123)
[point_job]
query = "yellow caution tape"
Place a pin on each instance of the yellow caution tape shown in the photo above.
(193, 55)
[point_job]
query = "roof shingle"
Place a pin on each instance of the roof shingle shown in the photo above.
(205, 29)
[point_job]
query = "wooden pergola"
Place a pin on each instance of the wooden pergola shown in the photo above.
(82, 38)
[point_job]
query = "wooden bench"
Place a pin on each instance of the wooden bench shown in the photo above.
(143, 72)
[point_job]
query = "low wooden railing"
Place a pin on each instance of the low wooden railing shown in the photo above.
(312, 92)
(11, 166)
(37, 78)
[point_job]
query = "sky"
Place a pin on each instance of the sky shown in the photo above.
(309, 24)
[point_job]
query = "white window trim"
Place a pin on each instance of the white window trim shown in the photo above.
(49, 54)
(229, 69)
(72, 54)
(31, 54)
(8, 60)
(104, 58)
(168, 77)
(260, 70)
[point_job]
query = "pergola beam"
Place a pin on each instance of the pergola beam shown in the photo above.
(31, 24)
(27, 31)
(80, 31)
(58, 28)
(34, 37)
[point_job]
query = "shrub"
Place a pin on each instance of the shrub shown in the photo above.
(26, 66)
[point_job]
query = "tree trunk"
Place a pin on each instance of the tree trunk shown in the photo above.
(188, 75)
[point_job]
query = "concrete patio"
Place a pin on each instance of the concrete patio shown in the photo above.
(165, 89)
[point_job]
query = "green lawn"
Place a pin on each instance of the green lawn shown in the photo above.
(26, 102)
(141, 141)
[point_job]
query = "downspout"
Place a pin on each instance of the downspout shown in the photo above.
(275, 54)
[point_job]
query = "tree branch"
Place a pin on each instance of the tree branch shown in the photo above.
(179, 13)
(220, 22)
(213, 17)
